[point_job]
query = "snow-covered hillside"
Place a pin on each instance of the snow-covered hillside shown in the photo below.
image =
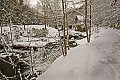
(99, 60)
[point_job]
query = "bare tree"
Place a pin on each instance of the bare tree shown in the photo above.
(64, 26)
(54, 15)
(90, 6)
(86, 26)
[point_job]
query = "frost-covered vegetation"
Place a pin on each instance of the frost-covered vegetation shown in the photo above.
(33, 37)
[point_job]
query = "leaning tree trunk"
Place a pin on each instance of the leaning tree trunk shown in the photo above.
(86, 27)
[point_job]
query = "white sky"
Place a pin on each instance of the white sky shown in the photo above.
(33, 2)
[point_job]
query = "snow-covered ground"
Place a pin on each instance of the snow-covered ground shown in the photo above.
(23, 40)
(52, 35)
(98, 60)
(51, 31)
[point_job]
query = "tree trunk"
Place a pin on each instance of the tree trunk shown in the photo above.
(1, 26)
(45, 23)
(64, 27)
(24, 26)
(67, 28)
(86, 27)
(90, 22)
(10, 29)
(31, 57)
(59, 37)
(45, 14)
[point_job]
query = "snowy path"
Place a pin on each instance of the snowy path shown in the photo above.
(99, 60)
(110, 52)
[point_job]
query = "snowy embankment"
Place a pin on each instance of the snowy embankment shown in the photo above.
(99, 60)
